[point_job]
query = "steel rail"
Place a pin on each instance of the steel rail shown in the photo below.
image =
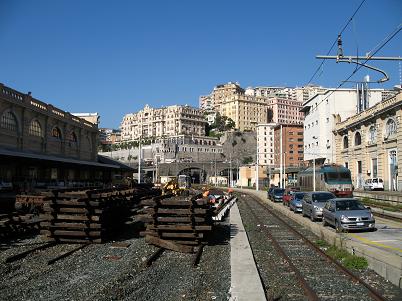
(372, 292)
(68, 253)
(154, 256)
(308, 290)
(197, 257)
(26, 253)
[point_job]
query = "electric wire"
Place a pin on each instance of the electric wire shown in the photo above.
(372, 53)
(321, 65)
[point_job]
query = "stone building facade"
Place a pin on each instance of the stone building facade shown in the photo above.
(43, 146)
(30, 125)
(370, 144)
(160, 122)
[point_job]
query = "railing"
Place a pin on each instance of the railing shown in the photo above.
(27, 100)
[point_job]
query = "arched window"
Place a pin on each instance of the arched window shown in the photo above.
(358, 139)
(345, 142)
(56, 133)
(9, 121)
(35, 129)
(390, 127)
(72, 137)
(372, 134)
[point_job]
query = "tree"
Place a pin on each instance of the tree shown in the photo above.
(247, 160)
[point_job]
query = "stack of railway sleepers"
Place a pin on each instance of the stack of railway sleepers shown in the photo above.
(15, 223)
(177, 223)
(89, 216)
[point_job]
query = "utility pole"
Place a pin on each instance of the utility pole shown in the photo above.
(256, 170)
(359, 60)
(280, 158)
(230, 174)
(139, 160)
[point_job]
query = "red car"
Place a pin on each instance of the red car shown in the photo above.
(288, 195)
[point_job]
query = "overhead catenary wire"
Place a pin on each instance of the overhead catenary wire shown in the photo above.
(321, 65)
(372, 53)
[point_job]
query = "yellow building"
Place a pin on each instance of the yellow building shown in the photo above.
(370, 143)
(247, 176)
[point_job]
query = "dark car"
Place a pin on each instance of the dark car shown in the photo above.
(313, 202)
(295, 204)
(277, 194)
(347, 214)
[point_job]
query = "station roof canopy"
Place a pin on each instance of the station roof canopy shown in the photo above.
(102, 162)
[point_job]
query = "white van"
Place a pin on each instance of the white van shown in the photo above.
(374, 184)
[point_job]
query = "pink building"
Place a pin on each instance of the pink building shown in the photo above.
(284, 111)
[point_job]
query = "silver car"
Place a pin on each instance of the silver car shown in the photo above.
(347, 214)
(313, 202)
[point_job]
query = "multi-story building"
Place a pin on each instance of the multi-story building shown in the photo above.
(370, 143)
(109, 136)
(285, 111)
(180, 148)
(265, 144)
(291, 137)
(249, 107)
(299, 93)
(319, 121)
(41, 143)
(165, 121)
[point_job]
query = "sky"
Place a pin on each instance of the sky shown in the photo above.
(113, 57)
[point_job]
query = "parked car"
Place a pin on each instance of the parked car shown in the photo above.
(277, 194)
(347, 214)
(6, 186)
(373, 184)
(313, 202)
(288, 195)
(295, 204)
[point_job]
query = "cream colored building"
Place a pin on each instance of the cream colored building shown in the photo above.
(160, 122)
(250, 107)
(265, 143)
(370, 144)
(247, 176)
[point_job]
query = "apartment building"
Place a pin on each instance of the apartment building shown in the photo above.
(370, 143)
(166, 121)
(299, 93)
(291, 137)
(319, 120)
(249, 107)
(265, 144)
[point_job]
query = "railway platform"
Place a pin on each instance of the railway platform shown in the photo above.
(381, 248)
(245, 281)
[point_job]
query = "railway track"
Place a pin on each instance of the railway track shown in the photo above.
(291, 266)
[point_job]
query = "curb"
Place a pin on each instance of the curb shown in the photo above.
(387, 265)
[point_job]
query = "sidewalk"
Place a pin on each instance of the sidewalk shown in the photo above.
(386, 262)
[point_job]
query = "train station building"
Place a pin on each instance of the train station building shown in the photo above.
(370, 144)
(41, 145)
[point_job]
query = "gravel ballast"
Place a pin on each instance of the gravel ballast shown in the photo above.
(104, 272)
